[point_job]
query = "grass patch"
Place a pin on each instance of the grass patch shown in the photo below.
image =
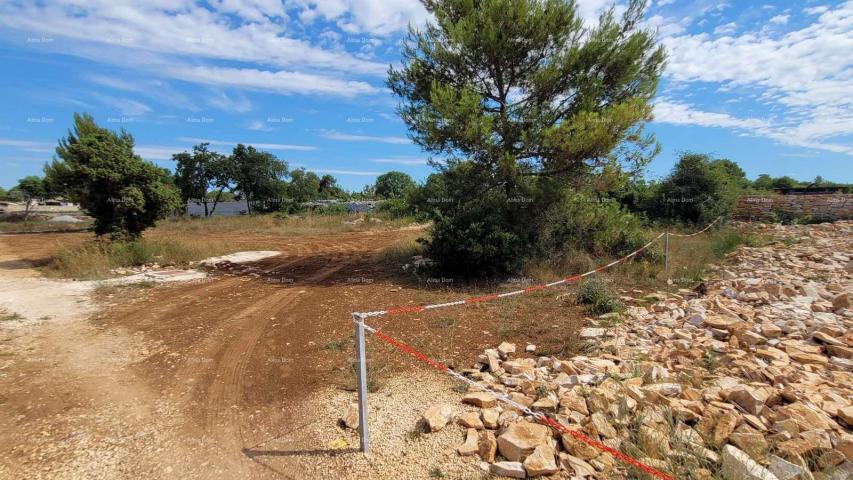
(41, 226)
(337, 345)
(94, 260)
(399, 253)
(599, 298)
(10, 317)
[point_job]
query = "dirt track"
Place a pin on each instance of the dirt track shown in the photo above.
(242, 375)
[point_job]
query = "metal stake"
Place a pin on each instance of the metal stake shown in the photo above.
(666, 253)
(361, 373)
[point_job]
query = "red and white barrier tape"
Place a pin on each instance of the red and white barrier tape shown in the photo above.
(696, 233)
(538, 416)
(487, 298)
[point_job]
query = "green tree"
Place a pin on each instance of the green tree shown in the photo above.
(32, 189)
(257, 176)
(98, 169)
(329, 188)
(393, 184)
(699, 189)
(534, 102)
(202, 176)
(304, 186)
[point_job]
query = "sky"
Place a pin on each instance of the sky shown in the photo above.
(767, 84)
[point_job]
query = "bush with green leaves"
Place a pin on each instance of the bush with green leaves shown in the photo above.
(395, 208)
(393, 184)
(591, 223)
(98, 169)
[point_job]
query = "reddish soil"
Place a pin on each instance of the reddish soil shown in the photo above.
(184, 381)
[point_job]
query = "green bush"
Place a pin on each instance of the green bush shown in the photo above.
(331, 209)
(597, 226)
(598, 298)
(395, 208)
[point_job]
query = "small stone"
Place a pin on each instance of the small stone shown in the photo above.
(590, 333)
(541, 462)
(737, 465)
(785, 470)
(487, 446)
(470, 420)
(846, 415)
(725, 426)
(508, 469)
(841, 301)
(506, 349)
(574, 464)
(530, 348)
(436, 417)
(520, 439)
(470, 447)
(491, 417)
(665, 389)
(350, 417)
(480, 399)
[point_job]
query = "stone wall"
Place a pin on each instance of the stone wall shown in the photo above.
(836, 206)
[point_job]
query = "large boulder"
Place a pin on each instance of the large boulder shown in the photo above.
(520, 440)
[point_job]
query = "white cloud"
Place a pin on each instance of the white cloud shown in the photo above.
(376, 17)
(27, 145)
(802, 77)
(401, 160)
(264, 146)
(156, 152)
(780, 19)
(259, 126)
(222, 101)
(816, 10)
(347, 137)
(725, 29)
(283, 82)
(663, 3)
(346, 172)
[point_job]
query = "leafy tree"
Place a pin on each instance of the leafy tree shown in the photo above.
(699, 189)
(535, 103)
(32, 189)
(304, 186)
(3, 193)
(763, 182)
(98, 169)
(329, 188)
(257, 176)
(199, 172)
(393, 184)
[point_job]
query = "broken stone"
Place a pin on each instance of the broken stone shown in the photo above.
(541, 461)
(785, 470)
(737, 465)
(508, 469)
(520, 439)
(436, 417)
(480, 399)
(487, 446)
(491, 417)
(506, 349)
(470, 447)
(470, 420)
(574, 464)
(350, 417)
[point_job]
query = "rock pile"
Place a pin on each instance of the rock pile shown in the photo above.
(751, 379)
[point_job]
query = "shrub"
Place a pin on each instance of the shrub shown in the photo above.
(583, 222)
(598, 298)
(395, 208)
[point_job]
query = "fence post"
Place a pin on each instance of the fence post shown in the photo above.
(666, 253)
(361, 378)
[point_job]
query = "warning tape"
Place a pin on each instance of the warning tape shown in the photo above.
(488, 298)
(696, 233)
(538, 416)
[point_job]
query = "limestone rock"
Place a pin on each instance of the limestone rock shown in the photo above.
(470, 447)
(508, 469)
(350, 417)
(520, 439)
(541, 461)
(480, 399)
(490, 417)
(487, 446)
(436, 417)
(737, 465)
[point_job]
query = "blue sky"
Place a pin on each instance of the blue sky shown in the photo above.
(769, 85)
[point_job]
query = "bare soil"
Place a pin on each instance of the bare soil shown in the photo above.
(244, 374)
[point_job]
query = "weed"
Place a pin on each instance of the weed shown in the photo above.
(598, 298)
(10, 317)
(443, 322)
(710, 360)
(337, 345)
(437, 473)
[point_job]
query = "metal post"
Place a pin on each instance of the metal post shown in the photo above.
(666, 253)
(361, 373)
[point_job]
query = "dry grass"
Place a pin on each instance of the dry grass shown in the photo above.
(274, 224)
(41, 226)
